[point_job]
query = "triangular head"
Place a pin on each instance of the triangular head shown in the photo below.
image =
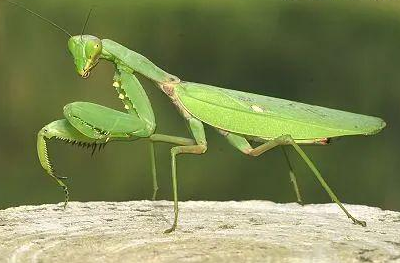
(86, 50)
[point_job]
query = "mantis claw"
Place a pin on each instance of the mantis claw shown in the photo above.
(170, 230)
(359, 222)
(61, 177)
(153, 198)
(362, 223)
(66, 192)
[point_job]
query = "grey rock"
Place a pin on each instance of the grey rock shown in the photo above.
(249, 231)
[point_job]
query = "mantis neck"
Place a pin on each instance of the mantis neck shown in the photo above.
(134, 62)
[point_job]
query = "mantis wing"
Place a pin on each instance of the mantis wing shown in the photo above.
(268, 117)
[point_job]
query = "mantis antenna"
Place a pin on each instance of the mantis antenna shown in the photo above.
(86, 22)
(41, 17)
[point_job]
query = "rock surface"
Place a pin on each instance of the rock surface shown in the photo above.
(249, 231)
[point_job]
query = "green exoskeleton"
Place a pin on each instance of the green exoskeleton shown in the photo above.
(238, 116)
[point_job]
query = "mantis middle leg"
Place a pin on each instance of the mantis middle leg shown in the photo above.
(243, 145)
(167, 139)
(185, 146)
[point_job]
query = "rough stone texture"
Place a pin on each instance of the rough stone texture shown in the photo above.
(250, 231)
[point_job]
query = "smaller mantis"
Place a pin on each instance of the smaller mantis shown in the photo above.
(238, 116)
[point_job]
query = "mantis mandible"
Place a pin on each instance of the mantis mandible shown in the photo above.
(238, 116)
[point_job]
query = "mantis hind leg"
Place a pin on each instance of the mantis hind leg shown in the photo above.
(292, 177)
(242, 144)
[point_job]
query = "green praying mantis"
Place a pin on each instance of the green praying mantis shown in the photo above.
(242, 118)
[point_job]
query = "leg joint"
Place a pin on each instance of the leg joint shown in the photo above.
(251, 152)
(285, 139)
(194, 149)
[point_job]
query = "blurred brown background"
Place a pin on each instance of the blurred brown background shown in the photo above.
(342, 55)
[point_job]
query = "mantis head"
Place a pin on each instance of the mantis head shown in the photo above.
(86, 50)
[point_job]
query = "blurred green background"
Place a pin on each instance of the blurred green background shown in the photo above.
(342, 55)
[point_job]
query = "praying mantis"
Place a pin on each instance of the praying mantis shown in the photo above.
(241, 118)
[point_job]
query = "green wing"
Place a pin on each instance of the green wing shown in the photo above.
(268, 117)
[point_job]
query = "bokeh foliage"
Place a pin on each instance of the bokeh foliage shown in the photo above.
(342, 54)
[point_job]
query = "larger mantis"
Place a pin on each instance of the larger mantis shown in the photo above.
(238, 116)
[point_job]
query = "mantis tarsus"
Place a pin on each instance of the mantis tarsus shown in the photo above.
(238, 116)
